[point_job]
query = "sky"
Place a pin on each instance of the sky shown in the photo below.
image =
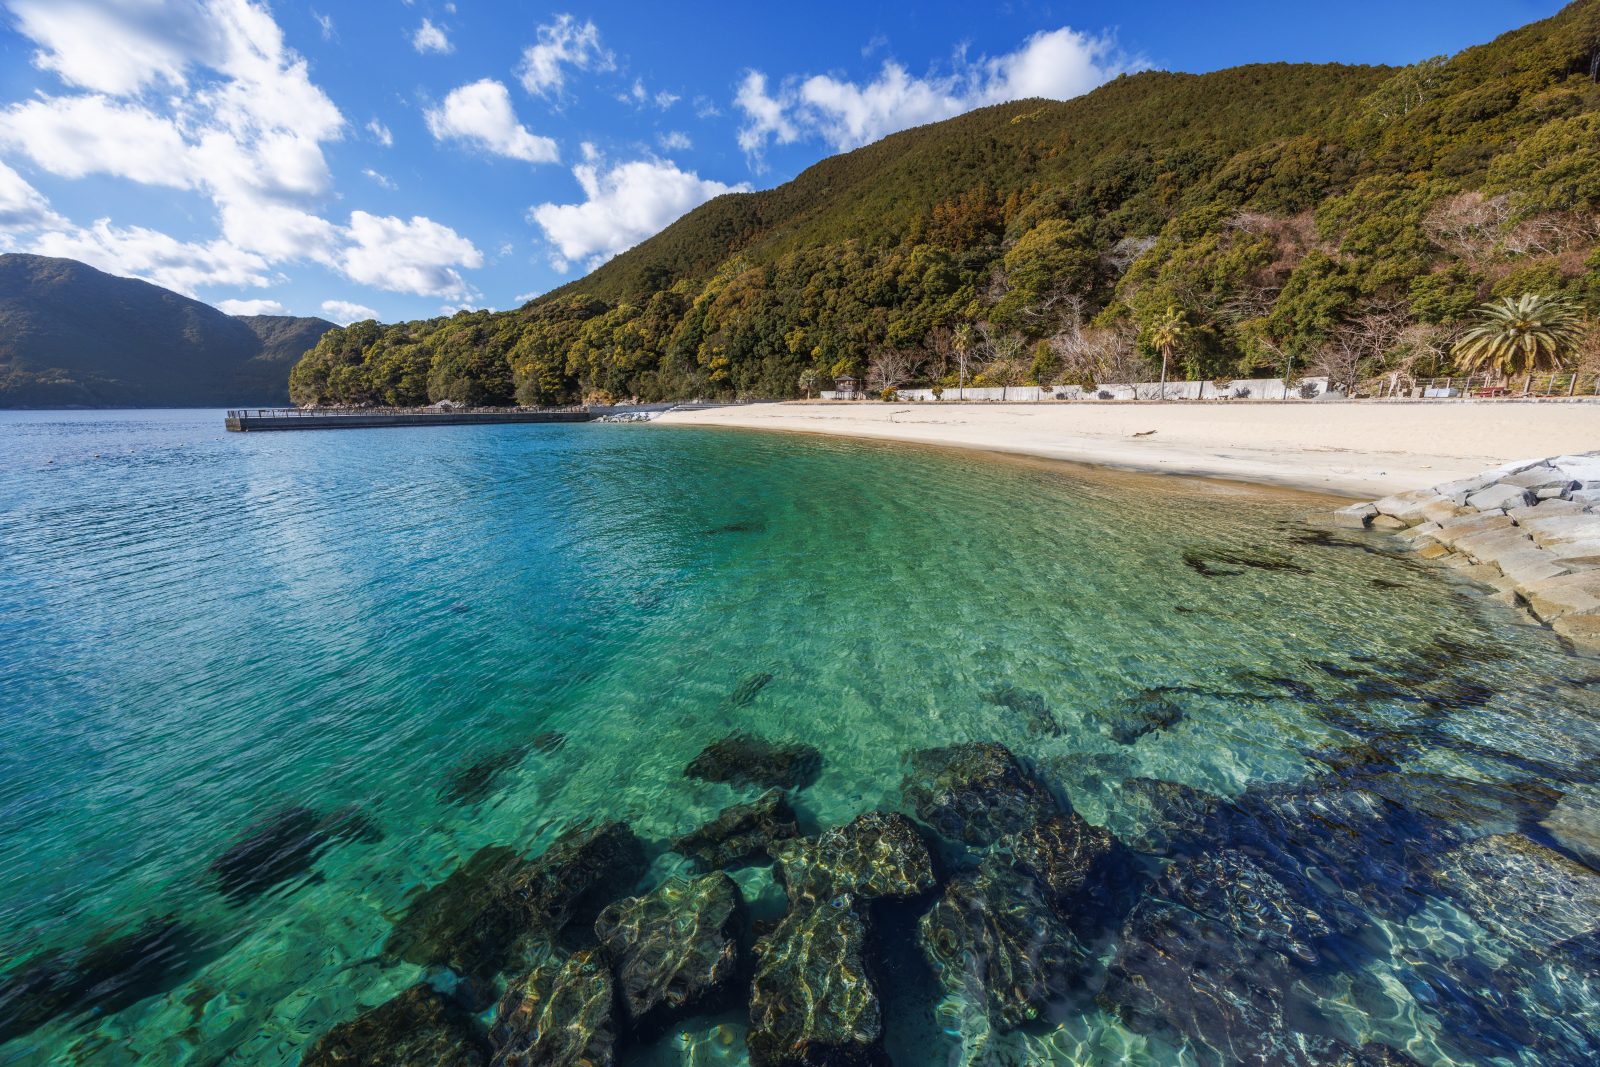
(400, 159)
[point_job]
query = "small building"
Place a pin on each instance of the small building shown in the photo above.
(846, 387)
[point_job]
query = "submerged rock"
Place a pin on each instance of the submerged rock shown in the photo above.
(585, 869)
(1530, 895)
(674, 950)
(561, 1014)
(748, 689)
(469, 922)
(109, 974)
(877, 854)
(744, 759)
(1212, 949)
(1030, 705)
(491, 909)
(282, 846)
(812, 1001)
(271, 850)
(1575, 823)
(1146, 712)
(472, 782)
(547, 741)
(1166, 813)
(993, 939)
(741, 833)
(1063, 854)
(1224, 563)
(418, 1028)
(975, 792)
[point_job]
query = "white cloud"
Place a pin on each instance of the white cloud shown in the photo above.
(563, 42)
(251, 307)
(766, 116)
(381, 180)
(622, 206)
(481, 114)
(1055, 64)
(380, 133)
(431, 38)
(22, 207)
(675, 141)
(74, 136)
(325, 24)
(142, 253)
(420, 256)
(203, 95)
(344, 312)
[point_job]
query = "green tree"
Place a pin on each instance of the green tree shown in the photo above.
(1168, 333)
(1516, 336)
(962, 341)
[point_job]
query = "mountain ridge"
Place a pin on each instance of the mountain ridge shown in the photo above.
(72, 335)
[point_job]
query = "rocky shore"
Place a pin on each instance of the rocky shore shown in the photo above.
(1529, 529)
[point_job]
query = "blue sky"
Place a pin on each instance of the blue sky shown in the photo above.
(403, 158)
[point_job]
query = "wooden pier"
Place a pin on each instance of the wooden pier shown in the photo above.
(252, 420)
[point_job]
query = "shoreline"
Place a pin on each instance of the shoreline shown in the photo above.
(1290, 446)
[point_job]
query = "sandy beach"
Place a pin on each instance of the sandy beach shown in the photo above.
(1360, 450)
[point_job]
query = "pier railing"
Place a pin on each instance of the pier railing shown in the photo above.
(322, 413)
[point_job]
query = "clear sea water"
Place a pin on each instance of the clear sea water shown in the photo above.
(198, 628)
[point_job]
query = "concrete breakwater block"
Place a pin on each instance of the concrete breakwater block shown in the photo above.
(1528, 529)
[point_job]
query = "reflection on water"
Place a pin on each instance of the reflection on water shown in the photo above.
(260, 692)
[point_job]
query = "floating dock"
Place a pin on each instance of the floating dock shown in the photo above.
(252, 420)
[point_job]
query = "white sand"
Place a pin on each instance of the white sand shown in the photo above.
(1362, 450)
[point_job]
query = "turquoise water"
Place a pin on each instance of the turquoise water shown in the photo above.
(198, 629)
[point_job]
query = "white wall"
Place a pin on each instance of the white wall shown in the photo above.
(1260, 389)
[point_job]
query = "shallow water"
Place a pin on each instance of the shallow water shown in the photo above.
(200, 629)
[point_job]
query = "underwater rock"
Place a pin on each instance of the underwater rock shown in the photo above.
(744, 759)
(271, 850)
(674, 950)
(1166, 812)
(1370, 853)
(741, 832)
(1530, 895)
(561, 1014)
(993, 939)
(812, 1001)
(876, 854)
(418, 1028)
(472, 782)
(547, 741)
(109, 974)
(469, 922)
(1213, 950)
(976, 792)
(1063, 854)
(1146, 712)
(1030, 705)
(1216, 563)
(1575, 823)
(1089, 778)
(747, 690)
(585, 869)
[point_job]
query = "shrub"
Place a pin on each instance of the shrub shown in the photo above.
(1104, 394)
(888, 395)
(1242, 393)
(938, 392)
(1308, 390)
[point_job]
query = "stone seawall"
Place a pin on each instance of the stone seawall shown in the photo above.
(1530, 530)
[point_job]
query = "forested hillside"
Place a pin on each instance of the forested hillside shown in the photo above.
(1342, 219)
(73, 335)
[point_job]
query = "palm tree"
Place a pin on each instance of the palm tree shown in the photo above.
(1166, 334)
(961, 341)
(1521, 335)
(808, 381)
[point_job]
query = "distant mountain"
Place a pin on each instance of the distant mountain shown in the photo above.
(72, 335)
